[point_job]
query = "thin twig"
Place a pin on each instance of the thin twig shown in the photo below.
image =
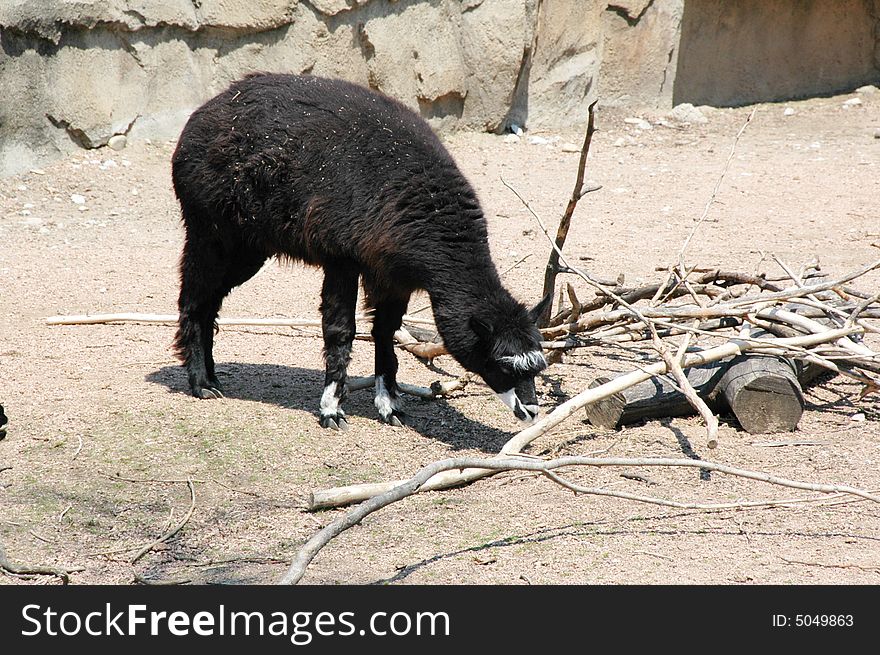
(870, 569)
(172, 319)
(686, 388)
(510, 268)
(155, 582)
(238, 491)
(119, 478)
(170, 533)
(715, 190)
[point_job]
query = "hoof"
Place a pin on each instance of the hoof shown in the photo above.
(207, 388)
(334, 422)
(395, 419)
(207, 393)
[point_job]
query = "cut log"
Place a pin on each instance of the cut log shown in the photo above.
(763, 393)
(654, 398)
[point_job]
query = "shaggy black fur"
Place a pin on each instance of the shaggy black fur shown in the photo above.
(332, 174)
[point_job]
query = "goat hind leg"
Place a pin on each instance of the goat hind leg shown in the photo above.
(208, 272)
(201, 269)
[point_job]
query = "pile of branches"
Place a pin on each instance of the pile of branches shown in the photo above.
(723, 303)
(714, 303)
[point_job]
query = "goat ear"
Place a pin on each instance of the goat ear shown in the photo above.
(482, 328)
(536, 311)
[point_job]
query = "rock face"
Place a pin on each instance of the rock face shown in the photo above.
(81, 72)
(734, 52)
(76, 73)
(641, 45)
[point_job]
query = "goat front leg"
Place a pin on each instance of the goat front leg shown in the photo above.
(386, 321)
(338, 303)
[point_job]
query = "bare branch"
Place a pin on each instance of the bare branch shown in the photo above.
(672, 363)
(511, 463)
(565, 222)
(171, 319)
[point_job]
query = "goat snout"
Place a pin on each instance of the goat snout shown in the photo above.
(525, 413)
(532, 411)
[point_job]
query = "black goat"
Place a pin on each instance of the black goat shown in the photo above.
(332, 174)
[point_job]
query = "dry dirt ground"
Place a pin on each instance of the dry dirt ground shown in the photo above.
(88, 403)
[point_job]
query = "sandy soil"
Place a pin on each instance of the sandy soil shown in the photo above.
(87, 403)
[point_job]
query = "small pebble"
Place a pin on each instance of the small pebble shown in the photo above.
(853, 102)
(857, 417)
(788, 112)
(511, 138)
(686, 113)
(538, 141)
(117, 141)
(77, 199)
(877, 133)
(867, 89)
(569, 147)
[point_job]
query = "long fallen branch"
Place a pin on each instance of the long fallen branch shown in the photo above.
(355, 493)
(422, 479)
(171, 319)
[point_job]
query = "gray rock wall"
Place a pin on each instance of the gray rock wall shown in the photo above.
(640, 58)
(73, 73)
(734, 52)
(81, 71)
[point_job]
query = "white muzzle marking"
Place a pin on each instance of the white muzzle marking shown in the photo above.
(525, 413)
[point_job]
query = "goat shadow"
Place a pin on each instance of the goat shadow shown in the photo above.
(297, 388)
